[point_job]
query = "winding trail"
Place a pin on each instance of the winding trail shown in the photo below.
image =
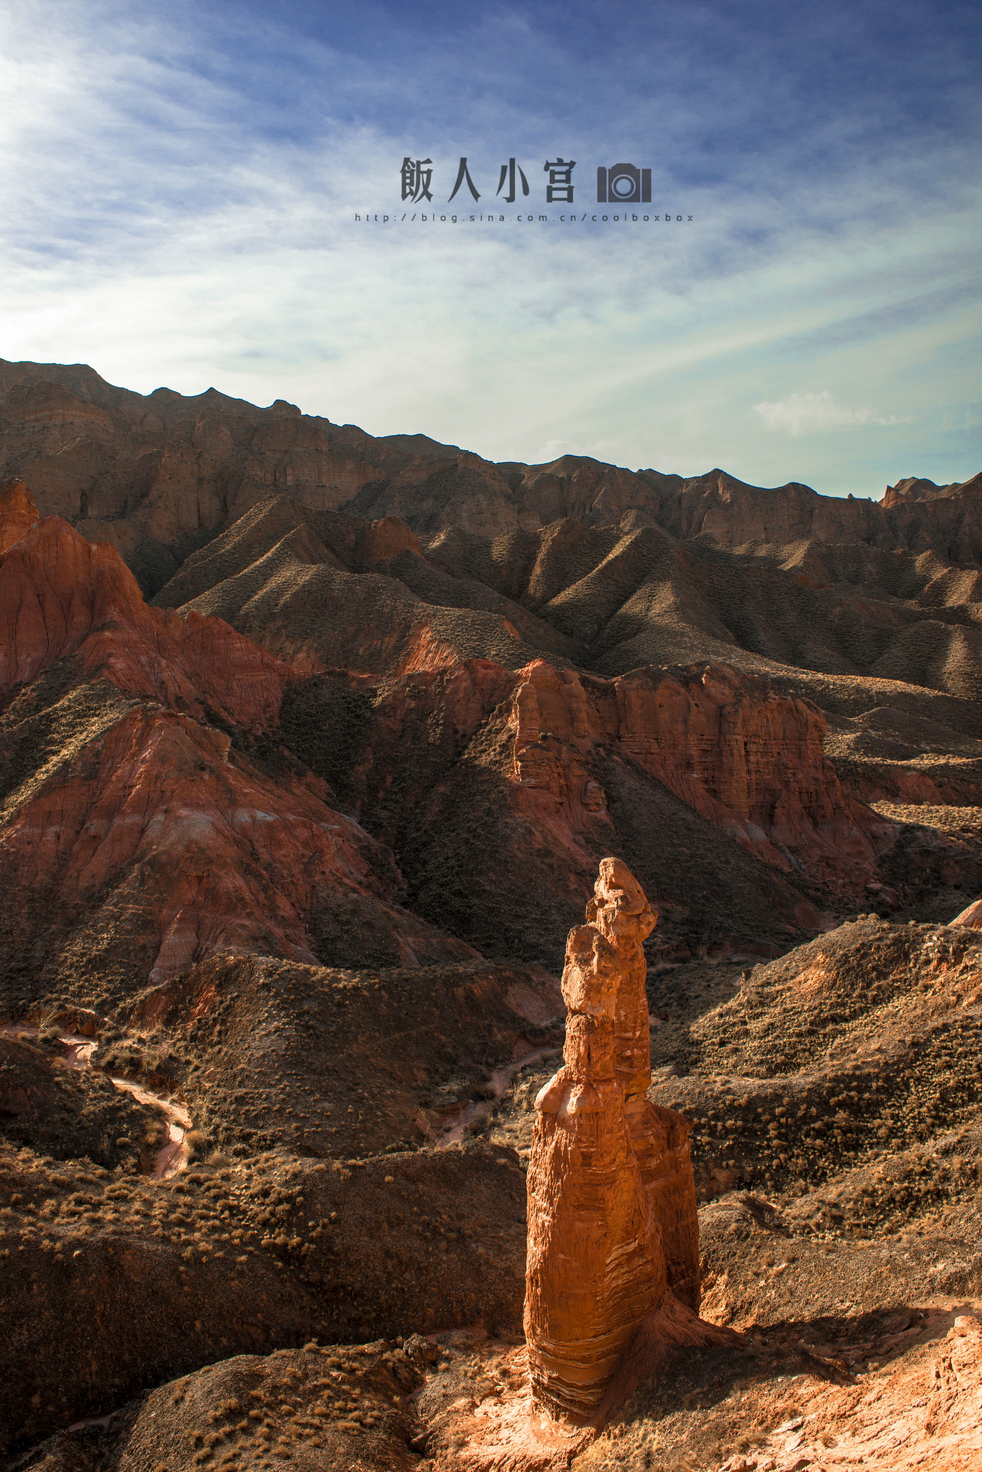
(498, 1081)
(172, 1157)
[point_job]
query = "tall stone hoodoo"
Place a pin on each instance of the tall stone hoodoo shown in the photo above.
(611, 1200)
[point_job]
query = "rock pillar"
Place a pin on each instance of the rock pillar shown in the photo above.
(18, 513)
(611, 1200)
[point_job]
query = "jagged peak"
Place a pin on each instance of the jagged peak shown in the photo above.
(919, 488)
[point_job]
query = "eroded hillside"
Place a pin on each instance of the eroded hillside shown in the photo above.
(310, 744)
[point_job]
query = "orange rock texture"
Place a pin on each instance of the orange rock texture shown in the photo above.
(61, 595)
(749, 760)
(18, 512)
(970, 917)
(612, 1212)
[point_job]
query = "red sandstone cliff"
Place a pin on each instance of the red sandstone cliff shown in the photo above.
(62, 596)
(750, 761)
(500, 791)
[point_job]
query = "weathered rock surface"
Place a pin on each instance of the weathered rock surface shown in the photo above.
(180, 466)
(604, 597)
(436, 693)
(915, 514)
(500, 791)
(138, 833)
(606, 1170)
(62, 596)
(971, 916)
(18, 512)
(115, 834)
(733, 750)
(633, 567)
(306, 583)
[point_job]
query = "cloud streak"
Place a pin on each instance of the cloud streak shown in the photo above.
(180, 189)
(814, 413)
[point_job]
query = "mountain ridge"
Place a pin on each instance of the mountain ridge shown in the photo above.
(176, 473)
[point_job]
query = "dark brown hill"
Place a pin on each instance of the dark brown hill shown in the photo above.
(606, 598)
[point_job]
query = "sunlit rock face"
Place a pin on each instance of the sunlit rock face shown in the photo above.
(611, 1201)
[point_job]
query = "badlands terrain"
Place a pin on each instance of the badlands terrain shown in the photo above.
(310, 744)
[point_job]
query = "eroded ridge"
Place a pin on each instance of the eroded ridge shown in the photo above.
(612, 1214)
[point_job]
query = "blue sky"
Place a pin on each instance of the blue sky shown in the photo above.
(181, 181)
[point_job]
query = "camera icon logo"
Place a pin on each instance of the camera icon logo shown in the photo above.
(623, 184)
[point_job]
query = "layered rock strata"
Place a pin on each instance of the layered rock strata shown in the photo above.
(612, 1213)
(750, 761)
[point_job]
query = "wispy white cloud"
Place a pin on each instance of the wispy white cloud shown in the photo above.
(177, 211)
(812, 413)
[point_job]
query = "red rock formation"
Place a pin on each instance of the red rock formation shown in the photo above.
(539, 772)
(970, 917)
(750, 761)
(18, 513)
(156, 816)
(61, 595)
(152, 840)
(606, 1189)
(383, 540)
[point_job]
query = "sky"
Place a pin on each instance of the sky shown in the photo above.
(182, 184)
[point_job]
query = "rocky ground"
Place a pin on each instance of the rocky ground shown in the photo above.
(283, 899)
(838, 1151)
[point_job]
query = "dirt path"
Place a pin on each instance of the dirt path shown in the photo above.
(499, 1082)
(172, 1157)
